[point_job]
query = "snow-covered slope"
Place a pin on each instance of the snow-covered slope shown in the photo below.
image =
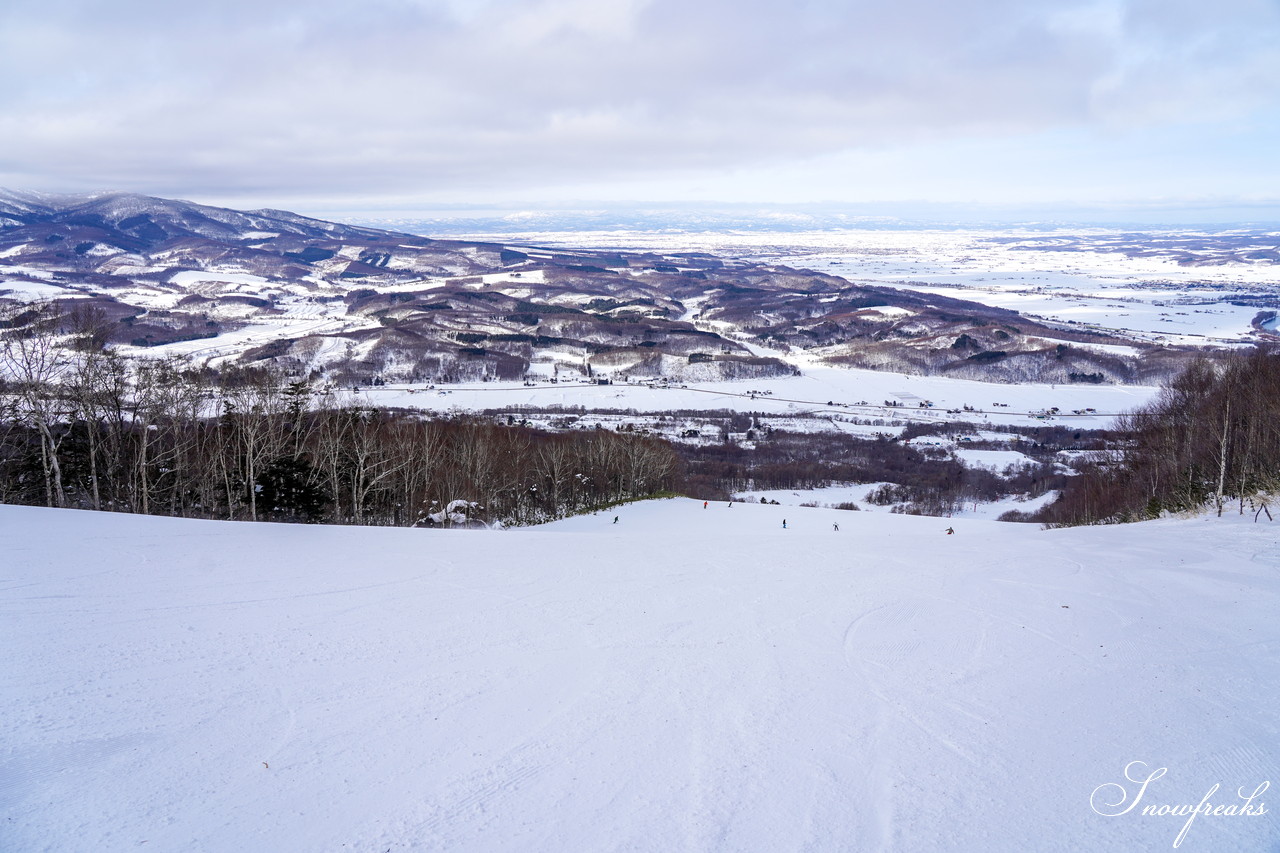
(684, 679)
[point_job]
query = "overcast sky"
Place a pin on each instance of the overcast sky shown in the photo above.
(368, 104)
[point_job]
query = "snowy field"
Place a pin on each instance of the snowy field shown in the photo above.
(856, 493)
(824, 392)
(685, 679)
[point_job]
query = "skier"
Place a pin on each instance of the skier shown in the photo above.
(835, 526)
(704, 504)
(615, 519)
(784, 524)
(950, 531)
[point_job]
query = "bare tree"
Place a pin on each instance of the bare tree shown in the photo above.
(35, 363)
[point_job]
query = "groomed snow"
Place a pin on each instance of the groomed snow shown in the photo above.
(684, 679)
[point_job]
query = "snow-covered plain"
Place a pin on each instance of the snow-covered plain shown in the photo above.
(684, 679)
(1148, 298)
(820, 391)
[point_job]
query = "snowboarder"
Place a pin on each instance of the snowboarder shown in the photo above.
(784, 524)
(704, 504)
(615, 519)
(950, 531)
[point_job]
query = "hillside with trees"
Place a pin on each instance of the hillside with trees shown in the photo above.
(82, 426)
(1212, 436)
(87, 428)
(351, 305)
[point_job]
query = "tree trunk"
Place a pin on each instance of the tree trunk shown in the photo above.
(1222, 454)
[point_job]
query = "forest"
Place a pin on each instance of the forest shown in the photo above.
(1211, 437)
(82, 427)
(925, 480)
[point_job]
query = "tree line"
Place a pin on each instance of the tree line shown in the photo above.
(1211, 437)
(81, 426)
(926, 480)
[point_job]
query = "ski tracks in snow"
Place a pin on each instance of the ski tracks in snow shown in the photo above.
(902, 662)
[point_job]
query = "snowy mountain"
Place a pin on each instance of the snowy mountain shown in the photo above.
(683, 679)
(150, 221)
(352, 304)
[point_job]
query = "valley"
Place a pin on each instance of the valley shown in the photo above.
(357, 306)
(996, 339)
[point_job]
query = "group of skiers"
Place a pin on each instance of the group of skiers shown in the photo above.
(834, 526)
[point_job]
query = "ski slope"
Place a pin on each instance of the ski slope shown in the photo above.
(686, 679)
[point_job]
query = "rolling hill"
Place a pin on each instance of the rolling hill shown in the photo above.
(359, 305)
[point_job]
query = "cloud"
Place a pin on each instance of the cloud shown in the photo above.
(403, 97)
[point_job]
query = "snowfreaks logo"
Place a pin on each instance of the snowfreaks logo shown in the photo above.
(1112, 800)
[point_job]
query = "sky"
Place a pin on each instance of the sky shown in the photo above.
(398, 105)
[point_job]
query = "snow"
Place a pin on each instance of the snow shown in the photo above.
(889, 311)
(150, 298)
(31, 272)
(31, 291)
(1151, 298)
(997, 460)
(994, 509)
(856, 493)
(685, 679)
(188, 278)
(454, 513)
(521, 277)
(826, 496)
(805, 394)
(300, 324)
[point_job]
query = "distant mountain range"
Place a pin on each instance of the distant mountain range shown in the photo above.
(673, 218)
(359, 304)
